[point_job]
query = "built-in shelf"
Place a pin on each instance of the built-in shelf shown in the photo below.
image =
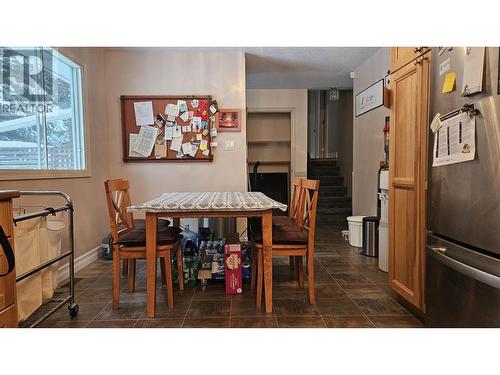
(271, 162)
(268, 143)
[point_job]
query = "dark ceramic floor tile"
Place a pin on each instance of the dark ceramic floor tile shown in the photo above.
(395, 321)
(94, 296)
(206, 322)
(301, 322)
(209, 309)
(379, 306)
(328, 291)
(103, 283)
(323, 278)
(363, 291)
(347, 321)
(66, 324)
(337, 306)
(288, 292)
(294, 307)
(125, 311)
(86, 312)
(377, 277)
(112, 324)
(162, 311)
(212, 292)
(246, 307)
(352, 279)
(159, 323)
(253, 322)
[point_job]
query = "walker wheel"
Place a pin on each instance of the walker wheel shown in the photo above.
(204, 282)
(73, 310)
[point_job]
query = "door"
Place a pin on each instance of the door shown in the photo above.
(407, 173)
(400, 56)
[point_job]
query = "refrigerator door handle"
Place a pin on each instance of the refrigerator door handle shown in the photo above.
(439, 253)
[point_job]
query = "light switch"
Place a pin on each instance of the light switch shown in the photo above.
(229, 145)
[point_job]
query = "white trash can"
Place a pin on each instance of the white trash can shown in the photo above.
(355, 230)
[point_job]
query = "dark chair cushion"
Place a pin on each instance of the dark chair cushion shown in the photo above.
(137, 236)
(284, 234)
(141, 223)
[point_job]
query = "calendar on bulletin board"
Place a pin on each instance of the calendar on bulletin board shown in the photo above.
(168, 128)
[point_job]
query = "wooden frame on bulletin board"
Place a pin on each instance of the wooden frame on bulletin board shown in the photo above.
(129, 126)
(237, 122)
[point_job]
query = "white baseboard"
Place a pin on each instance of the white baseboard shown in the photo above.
(81, 262)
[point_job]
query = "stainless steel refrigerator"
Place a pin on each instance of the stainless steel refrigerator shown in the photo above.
(463, 244)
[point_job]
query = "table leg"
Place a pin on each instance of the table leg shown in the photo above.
(267, 250)
(151, 220)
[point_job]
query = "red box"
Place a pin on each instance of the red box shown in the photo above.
(232, 266)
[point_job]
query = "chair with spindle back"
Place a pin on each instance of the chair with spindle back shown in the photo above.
(129, 241)
(295, 240)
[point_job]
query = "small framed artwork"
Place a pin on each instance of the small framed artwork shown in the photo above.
(229, 120)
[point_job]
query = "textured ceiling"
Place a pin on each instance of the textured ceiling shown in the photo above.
(303, 67)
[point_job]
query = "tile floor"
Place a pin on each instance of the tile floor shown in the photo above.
(350, 292)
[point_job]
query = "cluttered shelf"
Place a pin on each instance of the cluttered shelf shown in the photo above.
(270, 162)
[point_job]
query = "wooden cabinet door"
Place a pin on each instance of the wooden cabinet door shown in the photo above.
(400, 56)
(407, 173)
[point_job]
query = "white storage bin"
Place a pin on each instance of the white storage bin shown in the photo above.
(355, 230)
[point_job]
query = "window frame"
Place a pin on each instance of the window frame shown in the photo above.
(48, 174)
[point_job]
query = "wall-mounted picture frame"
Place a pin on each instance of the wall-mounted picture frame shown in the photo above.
(372, 97)
(228, 120)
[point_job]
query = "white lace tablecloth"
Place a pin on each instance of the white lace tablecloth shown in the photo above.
(209, 201)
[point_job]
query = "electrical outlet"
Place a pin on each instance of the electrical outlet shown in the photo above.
(229, 145)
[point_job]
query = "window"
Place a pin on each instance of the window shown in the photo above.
(41, 111)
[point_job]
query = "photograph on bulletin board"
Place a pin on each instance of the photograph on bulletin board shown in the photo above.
(229, 120)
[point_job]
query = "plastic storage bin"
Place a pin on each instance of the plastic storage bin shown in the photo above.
(355, 230)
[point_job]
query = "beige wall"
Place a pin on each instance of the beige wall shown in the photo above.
(294, 101)
(368, 139)
(340, 134)
(161, 72)
(91, 218)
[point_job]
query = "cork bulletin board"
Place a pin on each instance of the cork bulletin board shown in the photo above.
(159, 104)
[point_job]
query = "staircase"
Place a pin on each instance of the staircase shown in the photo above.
(333, 205)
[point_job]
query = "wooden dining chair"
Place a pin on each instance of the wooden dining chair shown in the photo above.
(129, 241)
(280, 221)
(295, 240)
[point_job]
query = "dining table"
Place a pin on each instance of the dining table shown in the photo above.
(179, 205)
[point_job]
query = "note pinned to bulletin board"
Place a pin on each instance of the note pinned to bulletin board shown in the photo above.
(168, 128)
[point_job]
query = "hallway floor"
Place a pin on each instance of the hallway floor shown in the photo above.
(350, 292)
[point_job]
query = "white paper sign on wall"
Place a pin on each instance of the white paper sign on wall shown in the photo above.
(370, 98)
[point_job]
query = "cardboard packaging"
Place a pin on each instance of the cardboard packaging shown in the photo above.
(232, 265)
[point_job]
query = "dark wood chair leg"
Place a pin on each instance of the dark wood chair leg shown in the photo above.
(254, 268)
(170, 289)
(131, 276)
(310, 279)
(163, 271)
(300, 271)
(116, 277)
(292, 263)
(260, 276)
(125, 267)
(180, 269)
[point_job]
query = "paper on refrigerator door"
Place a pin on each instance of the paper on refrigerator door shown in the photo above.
(145, 140)
(473, 70)
(455, 141)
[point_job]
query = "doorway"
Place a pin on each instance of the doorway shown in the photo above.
(269, 153)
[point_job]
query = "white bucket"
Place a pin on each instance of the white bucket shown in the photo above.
(355, 230)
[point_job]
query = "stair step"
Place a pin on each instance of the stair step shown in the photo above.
(334, 210)
(322, 170)
(331, 180)
(332, 191)
(328, 201)
(336, 218)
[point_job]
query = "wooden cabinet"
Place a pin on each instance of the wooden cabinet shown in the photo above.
(408, 175)
(401, 56)
(8, 312)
